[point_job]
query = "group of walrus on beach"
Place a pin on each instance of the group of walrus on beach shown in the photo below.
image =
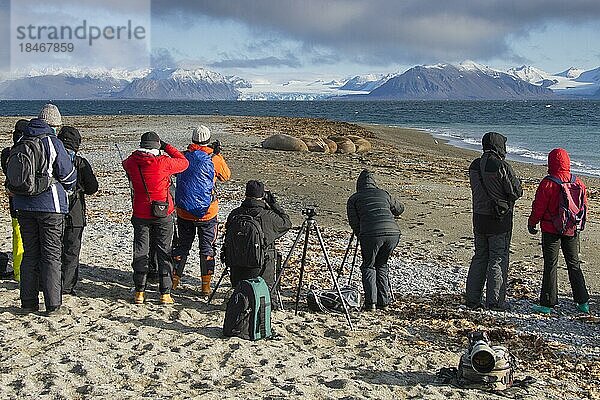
(42, 209)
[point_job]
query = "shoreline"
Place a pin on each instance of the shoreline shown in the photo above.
(392, 354)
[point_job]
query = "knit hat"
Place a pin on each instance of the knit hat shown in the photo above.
(201, 135)
(150, 140)
(255, 189)
(20, 130)
(51, 115)
(70, 137)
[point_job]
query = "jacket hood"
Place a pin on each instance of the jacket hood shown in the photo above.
(365, 180)
(495, 142)
(143, 156)
(20, 130)
(559, 164)
(37, 127)
(70, 137)
(196, 147)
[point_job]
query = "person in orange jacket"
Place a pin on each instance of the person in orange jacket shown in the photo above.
(545, 210)
(197, 204)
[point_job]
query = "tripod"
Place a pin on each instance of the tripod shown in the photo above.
(311, 224)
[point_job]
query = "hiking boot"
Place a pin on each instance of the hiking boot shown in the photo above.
(139, 297)
(382, 307)
(584, 308)
(166, 299)
(500, 307)
(475, 307)
(28, 310)
(206, 285)
(54, 310)
(176, 280)
(369, 307)
(541, 309)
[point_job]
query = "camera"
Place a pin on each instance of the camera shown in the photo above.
(216, 146)
(310, 212)
(483, 357)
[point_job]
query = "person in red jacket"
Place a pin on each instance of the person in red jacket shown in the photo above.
(545, 207)
(150, 173)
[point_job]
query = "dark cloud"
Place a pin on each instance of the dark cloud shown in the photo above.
(162, 58)
(393, 30)
(271, 61)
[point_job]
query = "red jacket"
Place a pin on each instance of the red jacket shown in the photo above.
(157, 171)
(545, 204)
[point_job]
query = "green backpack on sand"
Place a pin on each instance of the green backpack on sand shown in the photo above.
(248, 313)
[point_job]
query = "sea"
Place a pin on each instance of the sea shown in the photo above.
(533, 128)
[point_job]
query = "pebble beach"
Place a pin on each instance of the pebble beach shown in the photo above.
(104, 346)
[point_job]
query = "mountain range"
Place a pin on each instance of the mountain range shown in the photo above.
(464, 81)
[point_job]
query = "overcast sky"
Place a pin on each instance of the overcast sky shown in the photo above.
(289, 39)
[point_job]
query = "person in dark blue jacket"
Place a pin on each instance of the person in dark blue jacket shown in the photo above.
(41, 218)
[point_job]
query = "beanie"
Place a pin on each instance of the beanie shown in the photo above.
(70, 137)
(150, 140)
(50, 115)
(201, 135)
(20, 130)
(255, 189)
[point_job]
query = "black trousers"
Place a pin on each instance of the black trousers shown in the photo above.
(376, 251)
(41, 266)
(159, 232)
(267, 272)
(70, 257)
(551, 245)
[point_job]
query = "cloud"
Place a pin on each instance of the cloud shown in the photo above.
(391, 30)
(271, 61)
(162, 58)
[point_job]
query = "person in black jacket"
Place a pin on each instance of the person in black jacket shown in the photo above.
(261, 205)
(371, 214)
(495, 189)
(75, 220)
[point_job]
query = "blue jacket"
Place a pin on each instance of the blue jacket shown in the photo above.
(54, 199)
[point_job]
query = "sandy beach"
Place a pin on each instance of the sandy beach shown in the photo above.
(104, 346)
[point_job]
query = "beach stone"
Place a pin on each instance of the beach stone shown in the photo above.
(344, 145)
(331, 144)
(284, 142)
(316, 145)
(362, 144)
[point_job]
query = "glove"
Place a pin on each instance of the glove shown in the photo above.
(216, 147)
(269, 197)
(532, 229)
(163, 145)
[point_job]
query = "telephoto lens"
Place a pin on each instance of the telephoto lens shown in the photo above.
(483, 357)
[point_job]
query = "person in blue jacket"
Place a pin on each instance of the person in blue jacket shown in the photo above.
(41, 218)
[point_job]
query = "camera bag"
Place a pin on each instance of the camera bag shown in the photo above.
(248, 313)
(330, 301)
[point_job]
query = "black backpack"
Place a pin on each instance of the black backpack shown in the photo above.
(248, 313)
(27, 167)
(245, 242)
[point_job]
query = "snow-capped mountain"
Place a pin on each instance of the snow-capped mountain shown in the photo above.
(571, 73)
(367, 82)
(466, 81)
(572, 82)
(529, 74)
(56, 84)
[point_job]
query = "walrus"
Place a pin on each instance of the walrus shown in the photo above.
(362, 144)
(344, 145)
(331, 144)
(285, 142)
(317, 145)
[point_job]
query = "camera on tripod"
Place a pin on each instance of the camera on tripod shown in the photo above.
(310, 211)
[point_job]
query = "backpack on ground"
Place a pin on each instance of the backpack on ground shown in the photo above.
(6, 271)
(330, 301)
(248, 313)
(571, 207)
(245, 243)
(27, 167)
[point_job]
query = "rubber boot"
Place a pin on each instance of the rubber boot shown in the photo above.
(584, 308)
(176, 279)
(206, 284)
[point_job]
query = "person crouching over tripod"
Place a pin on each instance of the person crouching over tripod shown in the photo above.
(261, 206)
(371, 214)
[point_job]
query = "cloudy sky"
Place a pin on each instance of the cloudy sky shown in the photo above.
(344, 37)
(305, 39)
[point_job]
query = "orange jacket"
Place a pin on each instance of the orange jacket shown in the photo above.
(222, 173)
